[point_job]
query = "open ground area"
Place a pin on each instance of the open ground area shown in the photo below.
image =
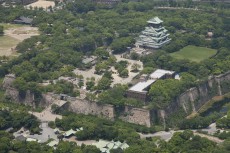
(13, 34)
(41, 4)
(194, 53)
(117, 79)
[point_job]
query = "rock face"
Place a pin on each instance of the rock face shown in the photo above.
(14, 94)
(28, 98)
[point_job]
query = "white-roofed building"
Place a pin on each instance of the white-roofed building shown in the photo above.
(52, 143)
(31, 139)
(162, 74)
(140, 90)
(69, 133)
(106, 146)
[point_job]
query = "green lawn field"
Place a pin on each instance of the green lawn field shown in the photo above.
(194, 53)
(6, 43)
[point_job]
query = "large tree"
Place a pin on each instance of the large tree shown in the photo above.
(1, 30)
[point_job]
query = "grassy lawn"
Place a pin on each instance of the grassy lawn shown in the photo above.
(194, 53)
(9, 25)
(6, 43)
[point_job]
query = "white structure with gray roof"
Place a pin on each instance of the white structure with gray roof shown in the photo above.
(140, 90)
(106, 146)
(160, 73)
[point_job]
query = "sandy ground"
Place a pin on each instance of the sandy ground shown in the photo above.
(88, 74)
(117, 79)
(20, 34)
(41, 3)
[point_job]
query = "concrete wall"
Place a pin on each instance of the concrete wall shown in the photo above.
(136, 115)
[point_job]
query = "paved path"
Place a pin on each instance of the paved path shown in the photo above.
(177, 8)
(88, 74)
(47, 133)
(46, 115)
(117, 79)
(162, 134)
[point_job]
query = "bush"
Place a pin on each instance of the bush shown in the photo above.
(51, 124)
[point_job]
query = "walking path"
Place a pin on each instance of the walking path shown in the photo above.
(46, 115)
(177, 8)
(117, 79)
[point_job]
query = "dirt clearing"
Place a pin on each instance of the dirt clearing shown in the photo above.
(13, 34)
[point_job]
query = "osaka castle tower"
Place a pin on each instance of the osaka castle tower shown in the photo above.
(154, 36)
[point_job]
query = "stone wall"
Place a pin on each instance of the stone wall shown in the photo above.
(136, 115)
(194, 98)
(80, 106)
(189, 101)
(28, 98)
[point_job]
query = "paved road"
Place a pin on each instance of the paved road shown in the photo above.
(162, 134)
(45, 116)
(168, 135)
(47, 133)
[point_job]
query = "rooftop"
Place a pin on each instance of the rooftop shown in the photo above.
(31, 139)
(160, 73)
(87, 60)
(140, 86)
(52, 143)
(106, 146)
(69, 133)
(23, 19)
(155, 20)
